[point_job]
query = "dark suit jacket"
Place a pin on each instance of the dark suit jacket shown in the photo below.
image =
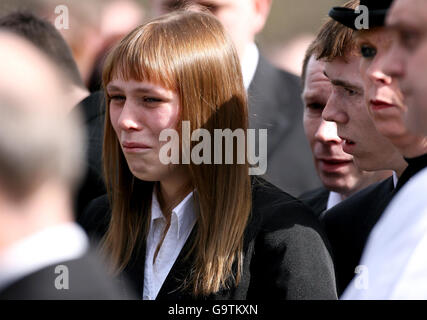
(316, 199)
(87, 281)
(92, 110)
(285, 256)
(275, 104)
(348, 225)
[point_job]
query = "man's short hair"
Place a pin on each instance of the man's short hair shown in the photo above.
(333, 40)
(44, 36)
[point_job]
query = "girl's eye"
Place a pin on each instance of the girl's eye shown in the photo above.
(368, 51)
(117, 98)
(151, 99)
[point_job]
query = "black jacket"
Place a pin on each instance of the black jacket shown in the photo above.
(275, 104)
(316, 199)
(415, 165)
(92, 112)
(348, 225)
(285, 255)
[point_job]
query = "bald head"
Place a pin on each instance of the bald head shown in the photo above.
(28, 78)
(38, 140)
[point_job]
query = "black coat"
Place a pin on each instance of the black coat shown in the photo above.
(348, 225)
(92, 111)
(275, 104)
(316, 199)
(87, 280)
(285, 256)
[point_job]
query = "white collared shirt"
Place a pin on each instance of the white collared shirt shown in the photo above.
(333, 199)
(395, 256)
(183, 219)
(395, 179)
(49, 246)
(249, 64)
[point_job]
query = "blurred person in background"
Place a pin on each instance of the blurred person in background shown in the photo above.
(289, 56)
(41, 150)
(339, 174)
(91, 24)
(118, 18)
(47, 38)
(274, 94)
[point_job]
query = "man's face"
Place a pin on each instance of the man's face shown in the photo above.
(241, 18)
(383, 96)
(346, 106)
(336, 168)
(407, 58)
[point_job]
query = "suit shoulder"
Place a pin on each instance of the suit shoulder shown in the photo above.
(364, 200)
(88, 279)
(92, 106)
(273, 206)
(316, 199)
(96, 217)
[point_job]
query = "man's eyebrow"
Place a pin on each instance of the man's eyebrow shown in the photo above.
(341, 83)
(345, 84)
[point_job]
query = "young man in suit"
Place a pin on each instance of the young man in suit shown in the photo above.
(43, 253)
(340, 176)
(274, 94)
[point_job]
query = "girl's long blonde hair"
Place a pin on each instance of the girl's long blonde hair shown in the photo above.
(190, 53)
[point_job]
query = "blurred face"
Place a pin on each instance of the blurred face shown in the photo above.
(336, 168)
(346, 107)
(383, 96)
(407, 58)
(139, 111)
(242, 19)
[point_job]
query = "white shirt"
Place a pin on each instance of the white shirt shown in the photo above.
(183, 219)
(395, 179)
(249, 64)
(333, 199)
(49, 246)
(395, 256)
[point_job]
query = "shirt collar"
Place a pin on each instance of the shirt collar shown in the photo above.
(333, 199)
(395, 179)
(183, 214)
(249, 64)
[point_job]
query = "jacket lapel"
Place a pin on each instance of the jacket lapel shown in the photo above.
(172, 286)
